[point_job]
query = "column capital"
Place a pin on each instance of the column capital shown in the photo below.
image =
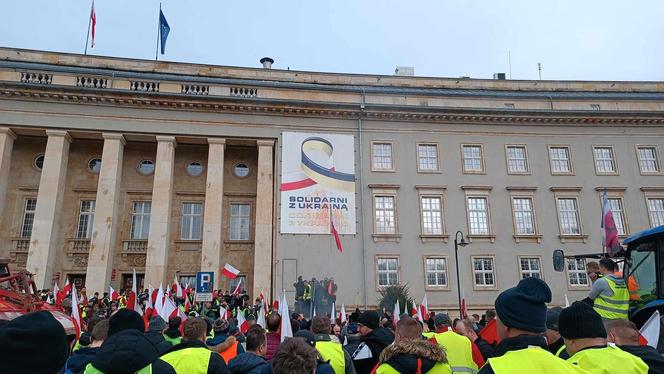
(59, 133)
(114, 136)
(8, 132)
(216, 140)
(265, 143)
(166, 139)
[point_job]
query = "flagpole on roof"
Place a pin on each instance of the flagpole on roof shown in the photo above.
(87, 36)
(156, 51)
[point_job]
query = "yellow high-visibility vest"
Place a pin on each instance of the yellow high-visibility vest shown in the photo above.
(609, 359)
(532, 360)
(616, 306)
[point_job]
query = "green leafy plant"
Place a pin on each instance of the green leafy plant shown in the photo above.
(390, 295)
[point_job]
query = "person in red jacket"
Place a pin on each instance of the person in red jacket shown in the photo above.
(273, 337)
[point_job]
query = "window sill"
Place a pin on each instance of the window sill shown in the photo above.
(528, 238)
(437, 288)
(567, 173)
(238, 241)
(490, 237)
(573, 238)
(518, 173)
(487, 288)
(434, 238)
(190, 241)
(383, 170)
(429, 171)
(480, 172)
(386, 238)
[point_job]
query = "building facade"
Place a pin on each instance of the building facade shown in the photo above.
(109, 165)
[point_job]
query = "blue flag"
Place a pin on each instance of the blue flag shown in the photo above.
(164, 29)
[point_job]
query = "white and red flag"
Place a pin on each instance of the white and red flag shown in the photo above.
(113, 294)
(62, 294)
(178, 288)
(76, 313)
(93, 23)
(132, 301)
(56, 294)
(335, 233)
(343, 313)
(238, 288)
(241, 321)
(159, 301)
(424, 308)
(395, 313)
(610, 233)
(650, 331)
(260, 319)
(230, 271)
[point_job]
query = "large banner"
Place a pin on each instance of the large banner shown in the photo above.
(317, 183)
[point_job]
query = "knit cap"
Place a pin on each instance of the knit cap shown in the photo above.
(125, 319)
(524, 306)
(369, 319)
(579, 321)
(157, 324)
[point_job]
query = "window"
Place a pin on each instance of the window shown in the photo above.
(86, 216)
(241, 170)
(595, 107)
(478, 216)
(530, 267)
(28, 217)
(560, 160)
(195, 168)
(648, 162)
(188, 281)
(517, 160)
(569, 216)
(140, 220)
(616, 205)
(472, 159)
(387, 270)
(39, 162)
(192, 221)
(436, 272)
(382, 156)
(240, 217)
(656, 211)
(576, 272)
(146, 167)
(384, 215)
(432, 221)
(604, 162)
(483, 271)
(524, 218)
(427, 157)
(94, 165)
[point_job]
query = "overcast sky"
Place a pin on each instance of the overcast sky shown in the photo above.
(573, 39)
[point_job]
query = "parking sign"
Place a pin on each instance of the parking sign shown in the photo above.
(204, 285)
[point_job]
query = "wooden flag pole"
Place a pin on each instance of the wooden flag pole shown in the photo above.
(87, 36)
(156, 52)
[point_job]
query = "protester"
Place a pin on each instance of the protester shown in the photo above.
(33, 343)
(252, 361)
(411, 354)
(520, 324)
(172, 334)
(461, 352)
(592, 270)
(294, 356)
(465, 328)
(490, 315)
(609, 293)
(585, 339)
(625, 335)
(374, 340)
(273, 337)
(329, 350)
(555, 342)
(156, 329)
(80, 358)
(222, 330)
(192, 356)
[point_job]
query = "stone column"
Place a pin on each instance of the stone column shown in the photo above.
(45, 239)
(7, 138)
(159, 240)
(264, 217)
(105, 225)
(213, 212)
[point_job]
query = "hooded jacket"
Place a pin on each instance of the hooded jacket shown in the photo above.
(158, 341)
(403, 357)
(648, 354)
(376, 341)
(127, 352)
(79, 359)
(247, 363)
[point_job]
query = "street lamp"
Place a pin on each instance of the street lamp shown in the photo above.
(458, 243)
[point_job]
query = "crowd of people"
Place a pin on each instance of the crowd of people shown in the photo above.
(527, 337)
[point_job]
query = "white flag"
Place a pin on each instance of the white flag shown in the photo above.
(566, 301)
(395, 313)
(260, 319)
(650, 330)
(159, 302)
(333, 313)
(286, 330)
(343, 313)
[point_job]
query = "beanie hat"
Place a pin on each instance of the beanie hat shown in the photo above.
(125, 319)
(580, 321)
(524, 306)
(33, 343)
(308, 337)
(552, 316)
(369, 319)
(442, 319)
(156, 324)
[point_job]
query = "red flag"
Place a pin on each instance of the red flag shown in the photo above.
(611, 242)
(490, 333)
(333, 231)
(275, 305)
(113, 293)
(93, 22)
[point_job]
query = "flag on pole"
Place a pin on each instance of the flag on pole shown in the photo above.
(464, 311)
(333, 312)
(149, 309)
(56, 294)
(343, 313)
(424, 308)
(566, 301)
(260, 319)
(610, 233)
(164, 29)
(241, 321)
(159, 301)
(75, 313)
(420, 317)
(333, 231)
(395, 313)
(48, 299)
(650, 331)
(178, 288)
(62, 294)
(238, 288)
(93, 24)
(286, 330)
(133, 303)
(230, 271)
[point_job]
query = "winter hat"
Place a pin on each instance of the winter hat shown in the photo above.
(157, 324)
(33, 343)
(442, 319)
(369, 319)
(125, 319)
(308, 337)
(580, 321)
(221, 325)
(524, 306)
(552, 316)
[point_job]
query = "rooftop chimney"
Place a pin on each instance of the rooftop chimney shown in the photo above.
(499, 76)
(267, 62)
(407, 71)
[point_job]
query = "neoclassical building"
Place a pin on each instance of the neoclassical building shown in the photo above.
(110, 165)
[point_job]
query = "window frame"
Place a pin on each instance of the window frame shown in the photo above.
(570, 159)
(192, 217)
(507, 159)
(131, 220)
(392, 157)
(613, 160)
(24, 211)
(376, 271)
(615, 193)
(575, 194)
(249, 218)
(189, 162)
(428, 287)
(530, 257)
(90, 218)
(638, 147)
(138, 166)
(389, 190)
(463, 159)
(417, 158)
(484, 193)
(477, 287)
(443, 229)
(87, 164)
(572, 287)
(651, 193)
(524, 193)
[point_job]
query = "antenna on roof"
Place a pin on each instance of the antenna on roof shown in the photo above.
(509, 62)
(539, 70)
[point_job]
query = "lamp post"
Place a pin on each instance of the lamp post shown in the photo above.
(458, 243)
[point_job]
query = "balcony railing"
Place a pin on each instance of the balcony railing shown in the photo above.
(135, 246)
(21, 245)
(79, 246)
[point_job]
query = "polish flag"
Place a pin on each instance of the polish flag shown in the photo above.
(93, 22)
(75, 313)
(260, 319)
(230, 271)
(66, 290)
(223, 313)
(153, 294)
(241, 321)
(333, 312)
(178, 288)
(286, 330)
(149, 309)
(113, 293)
(424, 307)
(133, 303)
(395, 313)
(343, 313)
(56, 294)
(335, 233)
(566, 301)
(48, 299)
(610, 232)
(159, 301)
(187, 304)
(420, 317)
(168, 310)
(649, 333)
(238, 288)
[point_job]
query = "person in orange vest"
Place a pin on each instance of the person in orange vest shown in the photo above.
(222, 330)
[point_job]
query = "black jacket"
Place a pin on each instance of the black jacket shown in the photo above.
(78, 360)
(648, 354)
(127, 352)
(216, 364)
(247, 363)
(486, 349)
(376, 340)
(553, 348)
(514, 344)
(158, 341)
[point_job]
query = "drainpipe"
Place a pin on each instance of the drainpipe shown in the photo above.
(551, 101)
(364, 247)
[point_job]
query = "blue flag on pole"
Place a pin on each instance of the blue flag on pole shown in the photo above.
(164, 29)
